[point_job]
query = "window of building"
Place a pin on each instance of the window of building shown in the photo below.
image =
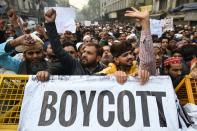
(140, 2)
(180, 2)
(163, 4)
(148, 2)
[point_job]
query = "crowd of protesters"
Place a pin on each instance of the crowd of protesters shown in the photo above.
(115, 49)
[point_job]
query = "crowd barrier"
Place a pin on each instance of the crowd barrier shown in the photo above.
(187, 90)
(11, 95)
(12, 91)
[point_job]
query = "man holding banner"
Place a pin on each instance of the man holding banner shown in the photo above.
(99, 103)
(147, 58)
(124, 53)
(89, 63)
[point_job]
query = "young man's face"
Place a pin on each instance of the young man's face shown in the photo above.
(89, 56)
(107, 56)
(164, 43)
(35, 55)
(175, 70)
(123, 37)
(125, 59)
(172, 45)
(158, 56)
(50, 51)
(195, 34)
(71, 50)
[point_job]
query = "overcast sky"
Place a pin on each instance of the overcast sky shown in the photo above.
(78, 3)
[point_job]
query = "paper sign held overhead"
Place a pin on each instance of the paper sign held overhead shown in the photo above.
(65, 19)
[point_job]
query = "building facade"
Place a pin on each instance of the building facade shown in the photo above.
(159, 9)
(111, 8)
(62, 3)
(32, 9)
(163, 8)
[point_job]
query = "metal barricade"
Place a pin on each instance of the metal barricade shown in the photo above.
(187, 90)
(11, 95)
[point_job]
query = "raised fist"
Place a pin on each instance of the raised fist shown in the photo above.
(13, 18)
(23, 40)
(50, 16)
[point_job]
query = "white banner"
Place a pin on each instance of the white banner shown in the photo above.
(96, 23)
(168, 24)
(156, 27)
(93, 103)
(65, 19)
(87, 23)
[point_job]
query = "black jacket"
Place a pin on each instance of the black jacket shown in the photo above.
(30, 68)
(71, 65)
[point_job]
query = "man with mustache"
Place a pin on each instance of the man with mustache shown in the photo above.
(123, 60)
(89, 62)
(91, 52)
(107, 56)
(124, 65)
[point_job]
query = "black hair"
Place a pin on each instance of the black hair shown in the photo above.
(99, 48)
(120, 48)
(188, 52)
(176, 51)
(69, 43)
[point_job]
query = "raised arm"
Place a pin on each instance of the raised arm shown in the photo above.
(147, 57)
(15, 21)
(67, 60)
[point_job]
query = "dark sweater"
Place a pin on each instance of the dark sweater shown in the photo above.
(71, 65)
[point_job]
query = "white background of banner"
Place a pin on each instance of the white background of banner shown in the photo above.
(34, 92)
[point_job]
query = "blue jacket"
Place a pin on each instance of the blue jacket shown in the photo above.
(7, 61)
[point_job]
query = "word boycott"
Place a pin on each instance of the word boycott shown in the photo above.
(50, 99)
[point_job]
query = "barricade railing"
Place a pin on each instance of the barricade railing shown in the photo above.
(187, 90)
(11, 96)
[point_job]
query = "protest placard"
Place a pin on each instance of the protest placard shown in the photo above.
(168, 24)
(96, 23)
(98, 103)
(65, 19)
(156, 27)
(87, 23)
